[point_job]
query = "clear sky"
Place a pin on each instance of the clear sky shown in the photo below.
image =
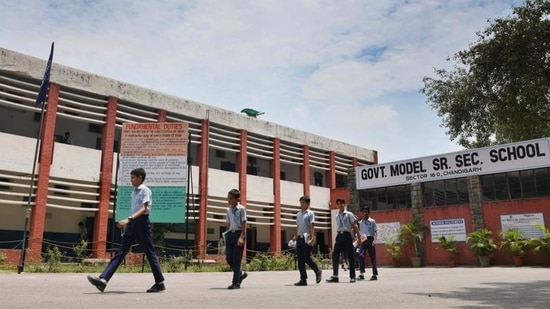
(348, 70)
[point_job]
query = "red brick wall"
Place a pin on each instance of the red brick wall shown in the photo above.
(401, 215)
(491, 217)
(435, 256)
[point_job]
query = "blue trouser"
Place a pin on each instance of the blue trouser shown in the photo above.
(368, 246)
(138, 229)
(343, 244)
(234, 255)
(303, 252)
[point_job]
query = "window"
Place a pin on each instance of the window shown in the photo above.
(446, 192)
(95, 128)
(542, 182)
(227, 166)
(527, 180)
(251, 160)
(516, 185)
(396, 197)
(501, 187)
(341, 181)
(488, 188)
(220, 154)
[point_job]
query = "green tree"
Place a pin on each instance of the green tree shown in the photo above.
(499, 89)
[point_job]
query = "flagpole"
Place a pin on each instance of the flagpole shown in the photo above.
(40, 100)
(21, 266)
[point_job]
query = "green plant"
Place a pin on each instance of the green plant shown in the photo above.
(541, 244)
(80, 250)
(3, 257)
(394, 248)
(54, 259)
(173, 264)
(482, 242)
(513, 241)
(268, 262)
(413, 233)
(448, 244)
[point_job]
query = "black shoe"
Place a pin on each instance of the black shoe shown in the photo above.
(242, 277)
(99, 283)
(333, 279)
(352, 280)
(157, 287)
(361, 277)
(318, 276)
(373, 278)
(301, 283)
(234, 286)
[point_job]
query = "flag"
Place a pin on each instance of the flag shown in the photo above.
(43, 92)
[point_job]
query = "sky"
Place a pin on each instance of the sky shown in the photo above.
(348, 70)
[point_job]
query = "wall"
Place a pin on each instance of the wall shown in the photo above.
(435, 256)
(401, 215)
(491, 217)
(20, 155)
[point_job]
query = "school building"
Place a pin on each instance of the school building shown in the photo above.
(498, 188)
(270, 164)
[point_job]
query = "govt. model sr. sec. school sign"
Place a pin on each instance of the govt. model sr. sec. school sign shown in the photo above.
(489, 160)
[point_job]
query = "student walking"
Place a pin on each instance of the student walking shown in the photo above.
(236, 231)
(305, 221)
(369, 231)
(347, 226)
(137, 227)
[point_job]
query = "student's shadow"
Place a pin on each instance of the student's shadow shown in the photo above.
(117, 292)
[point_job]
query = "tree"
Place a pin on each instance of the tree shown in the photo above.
(499, 89)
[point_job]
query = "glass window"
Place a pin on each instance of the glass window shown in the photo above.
(404, 197)
(488, 187)
(542, 182)
(383, 203)
(451, 192)
(439, 193)
(527, 180)
(428, 190)
(501, 187)
(462, 191)
(514, 185)
(368, 198)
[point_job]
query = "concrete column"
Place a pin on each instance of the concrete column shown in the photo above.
(304, 170)
(202, 161)
(331, 174)
(45, 158)
(242, 163)
(275, 232)
(161, 115)
(101, 222)
(476, 197)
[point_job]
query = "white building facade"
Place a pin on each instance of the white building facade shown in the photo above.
(271, 165)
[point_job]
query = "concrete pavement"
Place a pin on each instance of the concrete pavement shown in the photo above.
(427, 287)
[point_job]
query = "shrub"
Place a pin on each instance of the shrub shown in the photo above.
(482, 242)
(541, 244)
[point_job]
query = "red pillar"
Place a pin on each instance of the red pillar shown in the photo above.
(331, 173)
(275, 232)
(354, 162)
(304, 170)
(38, 214)
(202, 161)
(161, 115)
(101, 222)
(242, 160)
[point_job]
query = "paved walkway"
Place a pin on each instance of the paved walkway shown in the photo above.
(428, 287)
